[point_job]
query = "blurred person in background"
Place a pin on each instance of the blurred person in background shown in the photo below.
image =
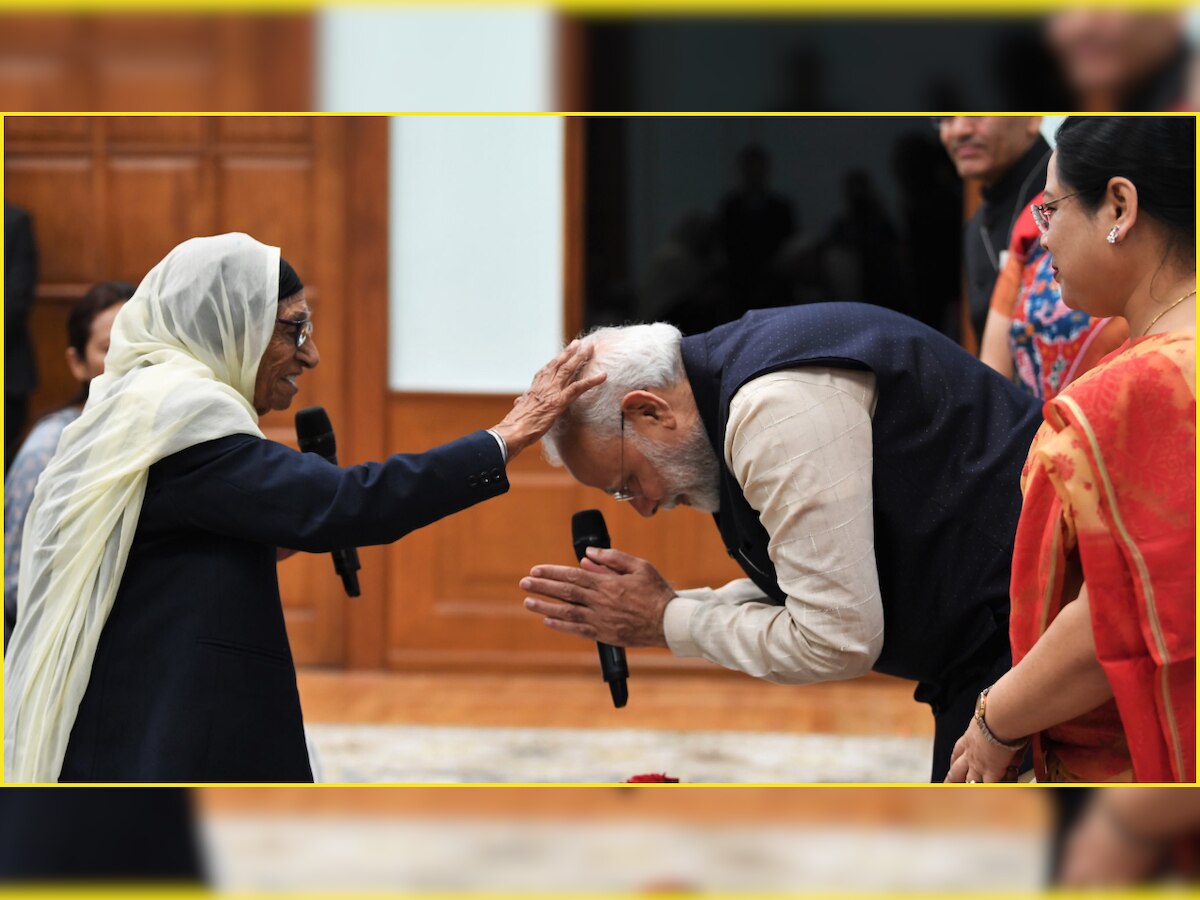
(1127, 837)
(1122, 60)
(20, 279)
(88, 327)
(755, 222)
(1103, 621)
(1007, 156)
(151, 643)
(861, 468)
(1033, 337)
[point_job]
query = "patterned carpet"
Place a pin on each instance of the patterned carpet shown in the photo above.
(429, 754)
(265, 853)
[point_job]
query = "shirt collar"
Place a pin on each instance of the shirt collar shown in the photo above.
(1010, 182)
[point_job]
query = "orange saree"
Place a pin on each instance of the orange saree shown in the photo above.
(1110, 499)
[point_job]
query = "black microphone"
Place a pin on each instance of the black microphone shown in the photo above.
(588, 530)
(315, 435)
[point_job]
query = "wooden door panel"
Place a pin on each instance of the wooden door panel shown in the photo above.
(265, 129)
(155, 62)
(58, 190)
(74, 130)
(269, 197)
(143, 132)
(153, 203)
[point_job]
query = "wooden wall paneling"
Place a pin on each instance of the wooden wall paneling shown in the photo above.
(574, 237)
(137, 61)
(279, 130)
(59, 187)
(40, 64)
(143, 134)
(268, 62)
(153, 204)
(364, 288)
(48, 131)
(570, 63)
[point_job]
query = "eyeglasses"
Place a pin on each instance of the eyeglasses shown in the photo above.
(623, 494)
(304, 329)
(1043, 211)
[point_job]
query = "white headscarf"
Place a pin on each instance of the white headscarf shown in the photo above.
(180, 371)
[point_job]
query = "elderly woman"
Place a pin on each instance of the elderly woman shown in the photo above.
(151, 643)
(1103, 622)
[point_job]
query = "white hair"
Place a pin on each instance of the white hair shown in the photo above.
(635, 357)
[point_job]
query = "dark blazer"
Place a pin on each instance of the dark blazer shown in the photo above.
(20, 278)
(193, 678)
(89, 838)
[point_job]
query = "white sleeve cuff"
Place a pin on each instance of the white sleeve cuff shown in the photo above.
(677, 626)
(499, 440)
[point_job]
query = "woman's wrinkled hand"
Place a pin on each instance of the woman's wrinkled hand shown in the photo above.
(976, 760)
(554, 388)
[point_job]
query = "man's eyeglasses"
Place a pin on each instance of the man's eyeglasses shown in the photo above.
(303, 330)
(1042, 212)
(623, 494)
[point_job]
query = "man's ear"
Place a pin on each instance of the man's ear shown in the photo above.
(644, 409)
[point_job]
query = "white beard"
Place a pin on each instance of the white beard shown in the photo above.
(690, 470)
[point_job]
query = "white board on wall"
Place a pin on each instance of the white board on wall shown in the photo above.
(435, 58)
(1050, 125)
(475, 251)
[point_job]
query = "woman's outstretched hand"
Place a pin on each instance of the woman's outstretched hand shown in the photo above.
(554, 388)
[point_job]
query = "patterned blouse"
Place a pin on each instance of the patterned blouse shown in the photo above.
(1051, 344)
(19, 482)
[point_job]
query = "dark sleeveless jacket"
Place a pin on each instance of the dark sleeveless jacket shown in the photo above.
(949, 437)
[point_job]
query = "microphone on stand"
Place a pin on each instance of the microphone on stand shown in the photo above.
(588, 530)
(314, 432)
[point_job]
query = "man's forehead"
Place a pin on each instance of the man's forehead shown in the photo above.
(591, 462)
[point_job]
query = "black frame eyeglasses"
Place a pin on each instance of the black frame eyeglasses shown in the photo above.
(623, 494)
(303, 329)
(1040, 210)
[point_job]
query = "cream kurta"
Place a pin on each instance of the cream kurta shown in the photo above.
(799, 444)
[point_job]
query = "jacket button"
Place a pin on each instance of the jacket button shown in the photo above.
(496, 473)
(473, 480)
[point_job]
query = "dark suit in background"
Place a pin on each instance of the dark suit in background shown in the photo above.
(193, 678)
(20, 279)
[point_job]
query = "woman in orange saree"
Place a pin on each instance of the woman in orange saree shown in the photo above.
(1103, 620)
